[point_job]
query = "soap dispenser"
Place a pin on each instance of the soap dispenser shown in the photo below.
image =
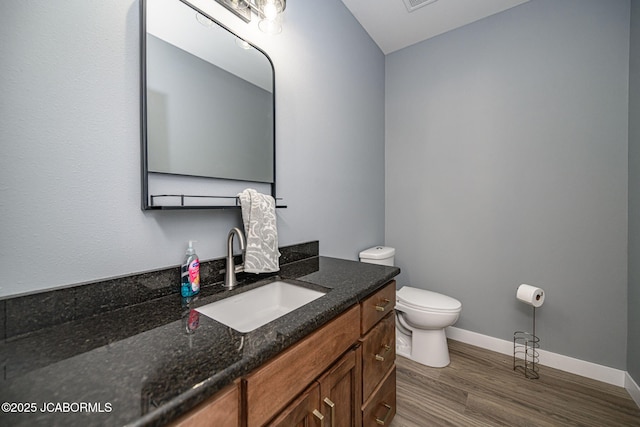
(190, 273)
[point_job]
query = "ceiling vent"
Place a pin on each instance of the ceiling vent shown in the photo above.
(416, 4)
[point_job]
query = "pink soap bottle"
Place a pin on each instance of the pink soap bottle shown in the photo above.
(190, 273)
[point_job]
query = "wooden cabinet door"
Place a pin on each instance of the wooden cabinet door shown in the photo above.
(303, 412)
(340, 391)
(272, 386)
(222, 410)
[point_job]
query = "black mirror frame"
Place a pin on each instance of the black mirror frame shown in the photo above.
(147, 199)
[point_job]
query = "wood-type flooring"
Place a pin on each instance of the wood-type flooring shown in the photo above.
(480, 388)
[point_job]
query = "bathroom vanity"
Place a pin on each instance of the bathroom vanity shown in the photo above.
(160, 362)
(343, 372)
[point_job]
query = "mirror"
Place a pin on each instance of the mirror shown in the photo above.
(207, 103)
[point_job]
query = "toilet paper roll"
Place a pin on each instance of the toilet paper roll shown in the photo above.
(530, 295)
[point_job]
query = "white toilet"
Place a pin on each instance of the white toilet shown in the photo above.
(421, 317)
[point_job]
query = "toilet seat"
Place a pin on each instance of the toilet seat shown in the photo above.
(425, 315)
(423, 300)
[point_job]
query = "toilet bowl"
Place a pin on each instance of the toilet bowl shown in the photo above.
(421, 317)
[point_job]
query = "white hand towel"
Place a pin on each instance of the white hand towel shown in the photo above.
(259, 217)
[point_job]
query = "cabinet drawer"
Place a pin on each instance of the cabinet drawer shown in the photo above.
(378, 353)
(280, 380)
(380, 409)
(378, 305)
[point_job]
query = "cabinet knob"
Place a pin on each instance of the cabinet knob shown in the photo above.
(380, 357)
(383, 306)
(331, 405)
(319, 416)
(386, 417)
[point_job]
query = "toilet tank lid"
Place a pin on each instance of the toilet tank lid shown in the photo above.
(378, 252)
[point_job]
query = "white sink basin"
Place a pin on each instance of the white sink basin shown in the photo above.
(250, 310)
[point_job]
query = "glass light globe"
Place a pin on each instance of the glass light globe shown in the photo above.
(270, 10)
(204, 20)
(238, 4)
(270, 26)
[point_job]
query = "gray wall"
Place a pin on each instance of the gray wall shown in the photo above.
(507, 139)
(70, 138)
(633, 334)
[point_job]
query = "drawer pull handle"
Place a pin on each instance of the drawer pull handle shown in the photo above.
(386, 417)
(379, 357)
(319, 416)
(382, 307)
(331, 405)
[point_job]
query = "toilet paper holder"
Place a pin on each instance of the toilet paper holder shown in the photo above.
(525, 351)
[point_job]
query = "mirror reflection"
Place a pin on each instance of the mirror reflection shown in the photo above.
(209, 98)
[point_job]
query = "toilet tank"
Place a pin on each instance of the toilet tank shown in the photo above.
(382, 255)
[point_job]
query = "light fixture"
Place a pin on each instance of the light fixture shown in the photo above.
(269, 12)
(417, 4)
(204, 20)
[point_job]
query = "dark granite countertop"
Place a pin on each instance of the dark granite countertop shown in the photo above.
(147, 363)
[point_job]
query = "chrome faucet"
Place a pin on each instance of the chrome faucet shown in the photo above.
(230, 274)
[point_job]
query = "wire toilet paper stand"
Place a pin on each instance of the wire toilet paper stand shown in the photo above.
(525, 351)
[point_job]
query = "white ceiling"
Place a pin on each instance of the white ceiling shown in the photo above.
(392, 27)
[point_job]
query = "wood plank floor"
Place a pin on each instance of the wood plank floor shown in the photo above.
(480, 388)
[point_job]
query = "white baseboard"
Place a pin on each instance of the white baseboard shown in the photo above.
(594, 371)
(632, 388)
